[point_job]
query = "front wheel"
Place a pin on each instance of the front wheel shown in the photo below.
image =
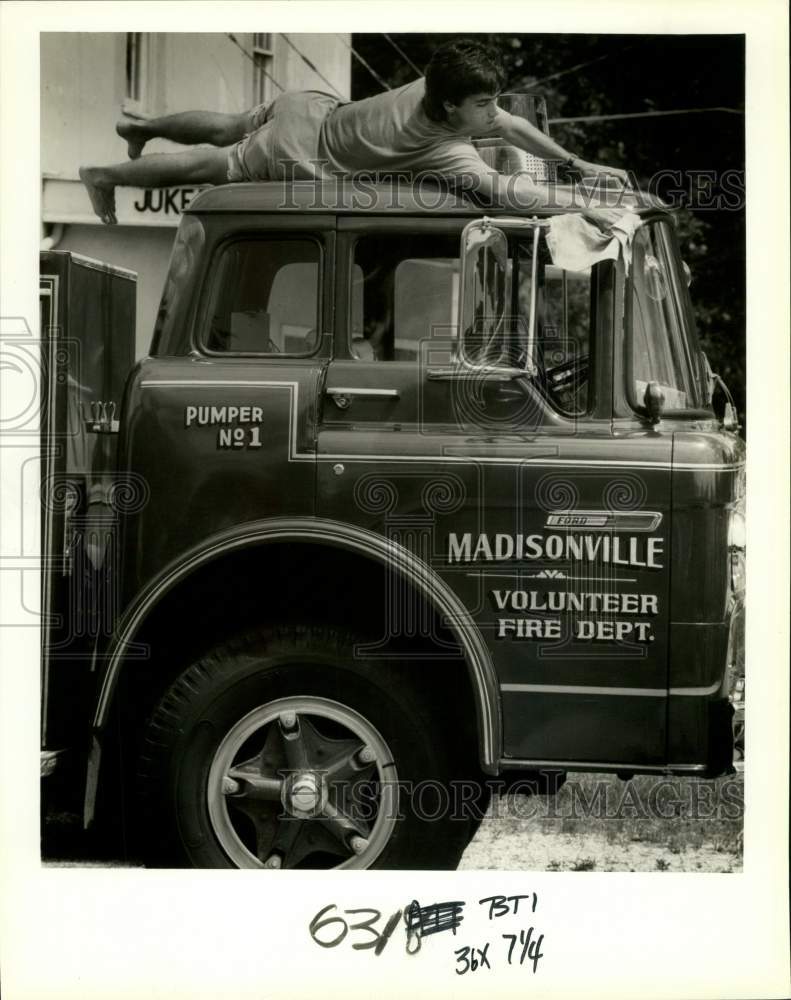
(287, 750)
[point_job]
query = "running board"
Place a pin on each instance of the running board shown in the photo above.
(512, 764)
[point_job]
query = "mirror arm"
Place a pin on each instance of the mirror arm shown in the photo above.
(531, 330)
(711, 379)
(730, 418)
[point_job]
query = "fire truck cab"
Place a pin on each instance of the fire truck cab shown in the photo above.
(395, 506)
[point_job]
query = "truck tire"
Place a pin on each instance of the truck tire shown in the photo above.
(285, 750)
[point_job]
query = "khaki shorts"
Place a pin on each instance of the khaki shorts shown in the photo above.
(287, 130)
(236, 166)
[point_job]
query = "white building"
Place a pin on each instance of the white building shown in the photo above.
(86, 82)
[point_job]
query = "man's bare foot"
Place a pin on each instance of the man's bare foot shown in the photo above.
(129, 128)
(101, 192)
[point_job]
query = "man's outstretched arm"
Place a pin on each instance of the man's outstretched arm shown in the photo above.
(520, 193)
(521, 133)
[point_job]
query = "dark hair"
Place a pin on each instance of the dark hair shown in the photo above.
(457, 70)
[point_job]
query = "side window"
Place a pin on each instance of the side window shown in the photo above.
(565, 317)
(403, 289)
(265, 298)
(185, 259)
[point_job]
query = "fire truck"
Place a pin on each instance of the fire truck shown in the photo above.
(396, 511)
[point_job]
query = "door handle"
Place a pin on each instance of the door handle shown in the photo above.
(459, 373)
(343, 397)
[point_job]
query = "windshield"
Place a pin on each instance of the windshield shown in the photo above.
(663, 343)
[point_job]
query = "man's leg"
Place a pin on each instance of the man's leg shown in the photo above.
(193, 166)
(188, 127)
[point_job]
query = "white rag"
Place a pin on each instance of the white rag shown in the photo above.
(576, 244)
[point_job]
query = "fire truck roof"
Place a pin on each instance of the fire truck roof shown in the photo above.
(366, 198)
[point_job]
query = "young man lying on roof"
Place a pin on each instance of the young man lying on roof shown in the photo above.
(423, 127)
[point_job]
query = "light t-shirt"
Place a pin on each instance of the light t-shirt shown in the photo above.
(392, 132)
(311, 135)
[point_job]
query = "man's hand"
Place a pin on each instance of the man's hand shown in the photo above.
(604, 218)
(600, 170)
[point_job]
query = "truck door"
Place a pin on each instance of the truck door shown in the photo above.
(234, 419)
(510, 485)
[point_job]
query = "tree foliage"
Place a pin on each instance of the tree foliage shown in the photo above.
(694, 161)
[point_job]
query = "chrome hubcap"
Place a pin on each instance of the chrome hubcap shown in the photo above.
(304, 794)
(303, 782)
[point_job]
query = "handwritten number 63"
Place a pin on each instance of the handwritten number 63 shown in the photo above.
(377, 940)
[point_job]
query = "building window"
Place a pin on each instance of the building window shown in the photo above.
(137, 67)
(263, 57)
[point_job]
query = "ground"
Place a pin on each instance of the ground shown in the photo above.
(599, 823)
(595, 822)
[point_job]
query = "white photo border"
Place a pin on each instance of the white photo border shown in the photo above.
(128, 933)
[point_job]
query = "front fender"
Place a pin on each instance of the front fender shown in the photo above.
(353, 539)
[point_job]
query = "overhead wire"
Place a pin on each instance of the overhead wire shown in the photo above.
(252, 59)
(582, 65)
(367, 65)
(403, 54)
(311, 65)
(644, 114)
(551, 121)
(619, 117)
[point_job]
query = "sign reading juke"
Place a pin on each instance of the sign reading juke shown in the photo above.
(395, 503)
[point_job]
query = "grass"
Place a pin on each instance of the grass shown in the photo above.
(599, 823)
(677, 813)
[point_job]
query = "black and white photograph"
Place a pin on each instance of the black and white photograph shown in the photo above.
(396, 568)
(377, 496)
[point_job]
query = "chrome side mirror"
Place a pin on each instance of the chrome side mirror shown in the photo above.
(486, 330)
(484, 298)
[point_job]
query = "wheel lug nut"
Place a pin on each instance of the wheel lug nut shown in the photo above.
(273, 862)
(366, 755)
(230, 786)
(358, 844)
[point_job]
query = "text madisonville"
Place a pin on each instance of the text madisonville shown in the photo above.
(629, 550)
